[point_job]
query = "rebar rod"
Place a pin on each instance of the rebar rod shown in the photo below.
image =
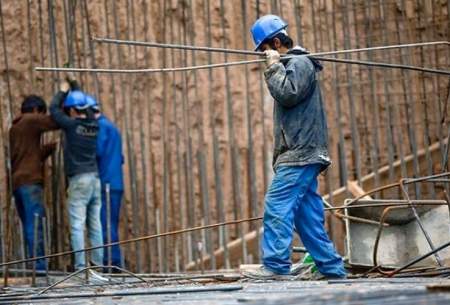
(246, 52)
(243, 62)
(158, 235)
(419, 222)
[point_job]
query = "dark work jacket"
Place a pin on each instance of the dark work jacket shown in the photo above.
(300, 127)
(80, 138)
(109, 154)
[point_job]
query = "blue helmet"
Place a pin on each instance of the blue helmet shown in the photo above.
(265, 28)
(92, 102)
(76, 99)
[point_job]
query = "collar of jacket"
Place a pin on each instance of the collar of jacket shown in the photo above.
(298, 50)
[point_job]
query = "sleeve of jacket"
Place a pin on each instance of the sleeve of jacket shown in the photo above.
(291, 84)
(57, 114)
(45, 123)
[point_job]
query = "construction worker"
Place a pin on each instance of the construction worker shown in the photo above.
(28, 157)
(70, 110)
(109, 160)
(300, 154)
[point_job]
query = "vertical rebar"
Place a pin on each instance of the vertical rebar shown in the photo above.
(45, 246)
(391, 109)
(150, 204)
(35, 245)
(223, 234)
(142, 146)
(252, 192)
(232, 145)
(129, 143)
(108, 224)
(6, 145)
(349, 73)
(201, 155)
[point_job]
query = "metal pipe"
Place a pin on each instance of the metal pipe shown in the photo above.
(244, 62)
(246, 52)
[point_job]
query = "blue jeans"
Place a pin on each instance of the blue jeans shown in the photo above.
(115, 203)
(85, 203)
(28, 200)
(292, 200)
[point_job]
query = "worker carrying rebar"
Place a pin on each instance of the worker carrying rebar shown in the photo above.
(28, 157)
(300, 155)
(70, 110)
(109, 161)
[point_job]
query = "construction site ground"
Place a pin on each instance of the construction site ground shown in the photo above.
(232, 289)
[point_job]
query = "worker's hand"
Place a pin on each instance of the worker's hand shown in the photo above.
(272, 57)
(70, 78)
(64, 86)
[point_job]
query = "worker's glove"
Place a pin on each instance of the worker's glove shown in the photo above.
(272, 57)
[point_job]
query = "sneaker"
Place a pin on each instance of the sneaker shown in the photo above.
(262, 273)
(298, 268)
(96, 278)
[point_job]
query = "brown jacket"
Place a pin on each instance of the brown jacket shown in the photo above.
(27, 153)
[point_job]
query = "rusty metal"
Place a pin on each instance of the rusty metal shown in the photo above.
(246, 52)
(418, 259)
(377, 239)
(87, 269)
(419, 222)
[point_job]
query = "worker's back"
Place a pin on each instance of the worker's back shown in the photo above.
(109, 154)
(27, 153)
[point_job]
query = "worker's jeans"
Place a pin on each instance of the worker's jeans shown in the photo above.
(85, 203)
(29, 200)
(114, 210)
(292, 200)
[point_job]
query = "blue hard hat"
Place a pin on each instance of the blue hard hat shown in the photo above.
(76, 99)
(265, 28)
(92, 102)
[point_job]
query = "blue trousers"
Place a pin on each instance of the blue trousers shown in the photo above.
(292, 200)
(84, 211)
(28, 200)
(116, 201)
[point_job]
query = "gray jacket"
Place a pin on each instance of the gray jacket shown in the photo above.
(300, 127)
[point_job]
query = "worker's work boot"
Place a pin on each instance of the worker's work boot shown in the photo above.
(262, 273)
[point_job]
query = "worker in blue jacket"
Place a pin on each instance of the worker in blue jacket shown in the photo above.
(109, 160)
(300, 154)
